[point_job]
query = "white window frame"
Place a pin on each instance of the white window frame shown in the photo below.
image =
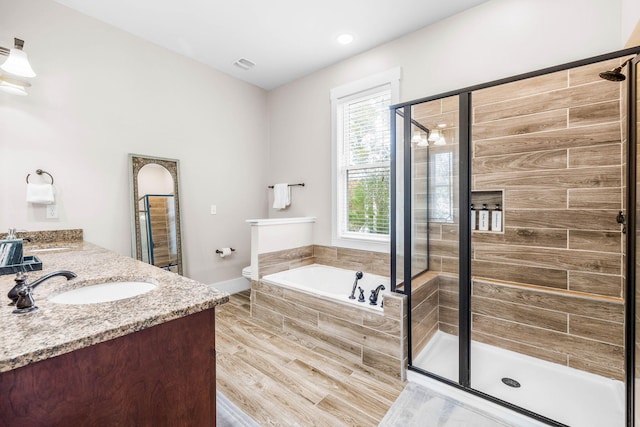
(390, 78)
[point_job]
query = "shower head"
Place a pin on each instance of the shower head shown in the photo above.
(615, 75)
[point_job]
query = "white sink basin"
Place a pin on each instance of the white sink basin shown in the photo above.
(103, 292)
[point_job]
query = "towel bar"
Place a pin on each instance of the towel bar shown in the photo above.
(291, 185)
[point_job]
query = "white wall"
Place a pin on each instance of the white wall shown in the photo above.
(154, 179)
(630, 18)
(102, 93)
(496, 39)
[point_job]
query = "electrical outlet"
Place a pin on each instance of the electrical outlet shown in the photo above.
(214, 209)
(52, 211)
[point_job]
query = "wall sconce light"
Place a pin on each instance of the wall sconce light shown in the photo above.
(16, 69)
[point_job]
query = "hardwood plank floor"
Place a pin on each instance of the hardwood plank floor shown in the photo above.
(279, 380)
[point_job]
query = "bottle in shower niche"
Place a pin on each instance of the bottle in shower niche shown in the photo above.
(483, 218)
(473, 217)
(496, 219)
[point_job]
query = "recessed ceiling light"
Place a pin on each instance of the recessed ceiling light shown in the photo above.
(345, 38)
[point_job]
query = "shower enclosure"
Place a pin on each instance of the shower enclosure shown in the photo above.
(158, 234)
(513, 237)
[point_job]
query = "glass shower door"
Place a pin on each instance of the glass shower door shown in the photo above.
(525, 296)
(547, 251)
(635, 141)
(434, 236)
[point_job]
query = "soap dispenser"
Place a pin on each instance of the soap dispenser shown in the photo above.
(483, 218)
(496, 219)
(11, 251)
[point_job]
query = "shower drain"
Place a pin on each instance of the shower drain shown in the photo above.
(511, 382)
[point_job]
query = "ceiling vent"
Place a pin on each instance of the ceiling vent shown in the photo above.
(244, 63)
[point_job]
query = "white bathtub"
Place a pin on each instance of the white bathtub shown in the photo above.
(330, 282)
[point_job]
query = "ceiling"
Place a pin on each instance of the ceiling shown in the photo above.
(286, 39)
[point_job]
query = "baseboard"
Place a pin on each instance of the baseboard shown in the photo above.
(232, 286)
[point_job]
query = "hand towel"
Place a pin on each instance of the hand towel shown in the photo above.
(40, 193)
(281, 196)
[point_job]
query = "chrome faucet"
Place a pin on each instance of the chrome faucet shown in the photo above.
(22, 293)
(355, 284)
(373, 299)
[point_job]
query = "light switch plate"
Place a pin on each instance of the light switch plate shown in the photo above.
(214, 209)
(52, 211)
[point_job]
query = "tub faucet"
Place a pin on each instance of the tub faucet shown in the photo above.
(373, 299)
(355, 284)
(21, 294)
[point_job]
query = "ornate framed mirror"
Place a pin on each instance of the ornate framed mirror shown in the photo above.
(155, 211)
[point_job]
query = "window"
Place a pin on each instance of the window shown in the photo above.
(441, 187)
(361, 162)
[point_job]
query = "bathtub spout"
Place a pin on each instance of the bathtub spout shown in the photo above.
(373, 299)
(355, 284)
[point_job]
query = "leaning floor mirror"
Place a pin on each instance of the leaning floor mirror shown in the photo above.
(155, 211)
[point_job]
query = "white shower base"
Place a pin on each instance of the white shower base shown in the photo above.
(564, 394)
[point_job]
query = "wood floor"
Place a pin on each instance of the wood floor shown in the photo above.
(279, 380)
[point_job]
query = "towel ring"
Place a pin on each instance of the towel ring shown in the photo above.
(40, 172)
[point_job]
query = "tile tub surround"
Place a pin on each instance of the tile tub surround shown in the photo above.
(350, 259)
(375, 340)
(57, 329)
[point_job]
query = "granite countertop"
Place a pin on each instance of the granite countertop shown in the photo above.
(56, 329)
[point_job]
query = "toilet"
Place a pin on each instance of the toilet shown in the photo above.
(246, 273)
(236, 285)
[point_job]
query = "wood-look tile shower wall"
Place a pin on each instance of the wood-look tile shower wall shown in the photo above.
(551, 284)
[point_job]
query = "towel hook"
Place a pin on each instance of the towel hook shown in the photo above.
(40, 172)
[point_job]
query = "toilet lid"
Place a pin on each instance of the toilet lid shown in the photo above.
(246, 271)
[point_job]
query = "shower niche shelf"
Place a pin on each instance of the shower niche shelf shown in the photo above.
(491, 198)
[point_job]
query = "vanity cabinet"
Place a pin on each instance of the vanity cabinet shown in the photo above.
(163, 375)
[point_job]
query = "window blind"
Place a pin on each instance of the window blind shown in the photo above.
(366, 155)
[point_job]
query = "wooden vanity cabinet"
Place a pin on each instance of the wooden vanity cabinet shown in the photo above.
(160, 376)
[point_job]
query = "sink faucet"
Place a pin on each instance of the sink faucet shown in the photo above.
(373, 299)
(355, 284)
(21, 294)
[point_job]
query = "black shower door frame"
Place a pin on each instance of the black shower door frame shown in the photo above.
(464, 163)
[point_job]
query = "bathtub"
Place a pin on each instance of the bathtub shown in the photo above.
(331, 283)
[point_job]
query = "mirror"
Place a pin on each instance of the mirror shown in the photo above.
(155, 212)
